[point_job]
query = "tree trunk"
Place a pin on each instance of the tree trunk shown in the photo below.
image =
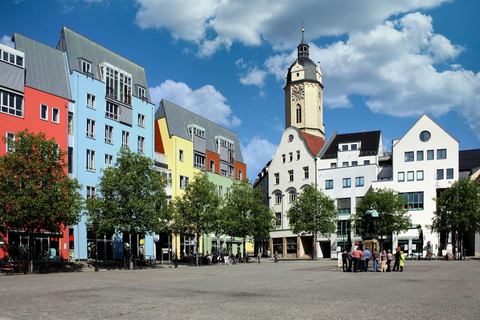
(197, 245)
(130, 256)
(31, 243)
(244, 250)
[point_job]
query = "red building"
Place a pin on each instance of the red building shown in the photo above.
(34, 94)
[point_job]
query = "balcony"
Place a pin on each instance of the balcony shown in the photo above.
(161, 160)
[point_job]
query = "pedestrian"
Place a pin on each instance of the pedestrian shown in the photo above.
(383, 258)
(363, 259)
(344, 260)
(259, 255)
(389, 259)
(350, 259)
(356, 255)
(276, 256)
(397, 259)
(376, 257)
(402, 261)
(367, 258)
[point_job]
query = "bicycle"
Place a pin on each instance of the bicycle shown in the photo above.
(232, 261)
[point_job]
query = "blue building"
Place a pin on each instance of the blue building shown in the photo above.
(112, 109)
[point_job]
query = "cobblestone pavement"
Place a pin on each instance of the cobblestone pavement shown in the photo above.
(284, 290)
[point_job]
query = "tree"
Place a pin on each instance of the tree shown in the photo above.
(313, 213)
(245, 213)
(458, 211)
(392, 214)
(36, 194)
(130, 197)
(196, 210)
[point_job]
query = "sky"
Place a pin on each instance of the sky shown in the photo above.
(385, 62)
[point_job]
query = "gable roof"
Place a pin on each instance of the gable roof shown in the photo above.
(314, 143)
(78, 46)
(370, 142)
(46, 67)
(179, 118)
(468, 159)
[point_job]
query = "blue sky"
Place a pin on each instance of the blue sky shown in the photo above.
(384, 63)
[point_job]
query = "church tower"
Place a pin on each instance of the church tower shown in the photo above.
(304, 93)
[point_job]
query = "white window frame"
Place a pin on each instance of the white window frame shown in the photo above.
(90, 192)
(291, 176)
(46, 111)
(90, 163)
(10, 137)
(141, 144)
(90, 128)
(55, 115)
(108, 134)
(91, 101)
(108, 160)
(141, 120)
(183, 182)
(180, 155)
(125, 139)
(278, 197)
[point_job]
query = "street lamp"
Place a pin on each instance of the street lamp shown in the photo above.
(95, 229)
(420, 238)
(175, 232)
(231, 242)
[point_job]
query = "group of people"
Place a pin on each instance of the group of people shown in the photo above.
(357, 260)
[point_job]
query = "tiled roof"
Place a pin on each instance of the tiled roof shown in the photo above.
(314, 143)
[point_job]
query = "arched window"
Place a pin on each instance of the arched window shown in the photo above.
(299, 113)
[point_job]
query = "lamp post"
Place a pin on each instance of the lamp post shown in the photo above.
(231, 242)
(95, 229)
(420, 238)
(175, 232)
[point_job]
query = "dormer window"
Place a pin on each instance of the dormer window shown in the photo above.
(86, 67)
(118, 83)
(194, 130)
(11, 56)
(141, 93)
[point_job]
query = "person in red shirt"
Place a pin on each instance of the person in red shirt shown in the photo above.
(356, 254)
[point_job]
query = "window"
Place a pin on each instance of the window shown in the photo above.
(410, 176)
(441, 154)
(420, 175)
(86, 67)
(298, 154)
(10, 139)
(108, 160)
(212, 166)
(91, 101)
(345, 147)
(420, 155)
(409, 156)
(141, 144)
(240, 175)
(290, 156)
(414, 200)
(425, 136)
(70, 160)
(347, 182)
(90, 128)
(278, 219)
(125, 139)
(277, 178)
(111, 111)
(220, 191)
(354, 163)
(43, 112)
(345, 164)
(359, 181)
(180, 155)
(292, 195)
(299, 114)
(141, 93)
(228, 191)
(90, 192)
(328, 184)
(283, 158)
(11, 103)
(343, 206)
(70, 123)
(183, 182)
(118, 83)
(343, 228)
(278, 198)
(449, 173)
(401, 176)
(141, 120)
(439, 174)
(430, 155)
(366, 162)
(290, 175)
(90, 160)
(108, 134)
(305, 173)
(333, 165)
(199, 161)
(55, 115)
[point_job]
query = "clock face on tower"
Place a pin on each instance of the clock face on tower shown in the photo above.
(298, 93)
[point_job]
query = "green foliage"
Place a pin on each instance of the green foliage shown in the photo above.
(312, 213)
(130, 196)
(458, 208)
(245, 213)
(196, 210)
(36, 193)
(392, 215)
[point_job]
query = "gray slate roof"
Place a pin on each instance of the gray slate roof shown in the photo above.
(178, 119)
(370, 141)
(46, 67)
(310, 70)
(78, 46)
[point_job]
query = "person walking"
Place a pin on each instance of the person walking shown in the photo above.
(383, 258)
(349, 256)
(344, 261)
(397, 259)
(389, 259)
(367, 258)
(402, 261)
(363, 260)
(376, 257)
(276, 256)
(259, 255)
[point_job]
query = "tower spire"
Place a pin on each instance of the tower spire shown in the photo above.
(303, 46)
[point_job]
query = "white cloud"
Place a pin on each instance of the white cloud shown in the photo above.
(214, 24)
(254, 76)
(7, 41)
(256, 154)
(205, 101)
